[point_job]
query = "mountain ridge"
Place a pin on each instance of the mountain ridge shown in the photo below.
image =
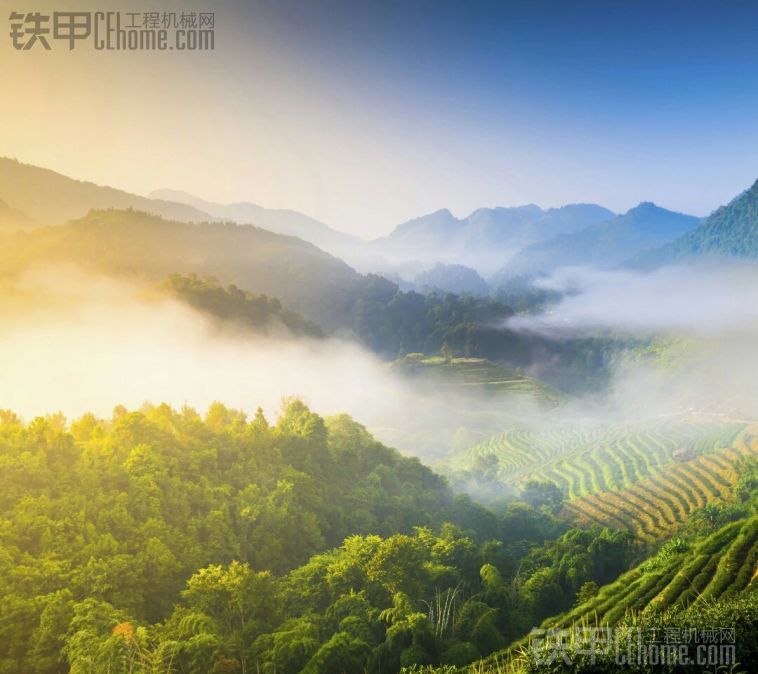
(603, 245)
(279, 220)
(67, 198)
(485, 238)
(730, 231)
(127, 242)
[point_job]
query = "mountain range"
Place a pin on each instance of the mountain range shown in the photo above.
(604, 245)
(65, 199)
(497, 243)
(281, 221)
(486, 238)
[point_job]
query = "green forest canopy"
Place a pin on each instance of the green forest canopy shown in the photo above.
(212, 543)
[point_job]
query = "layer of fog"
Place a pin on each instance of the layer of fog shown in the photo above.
(407, 264)
(75, 343)
(707, 298)
(705, 319)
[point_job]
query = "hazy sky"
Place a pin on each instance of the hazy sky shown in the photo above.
(365, 114)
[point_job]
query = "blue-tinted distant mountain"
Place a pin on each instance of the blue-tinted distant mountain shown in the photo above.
(49, 198)
(485, 238)
(451, 278)
(435, 229)
(529, 224)
(730, 231)
(604, 245)
(280, 221)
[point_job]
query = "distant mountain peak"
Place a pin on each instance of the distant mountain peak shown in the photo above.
(167, 194)
(651, 213)
(441, 219)
(442, 213)
(602, 245)
(529, 209)
(647, 209)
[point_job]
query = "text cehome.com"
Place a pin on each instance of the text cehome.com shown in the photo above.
(114, 31)
(109, 34)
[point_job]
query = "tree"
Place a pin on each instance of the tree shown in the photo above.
(543, 495)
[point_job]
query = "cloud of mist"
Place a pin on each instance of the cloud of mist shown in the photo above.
(707, 315)
(76, 343)
(380, 258)
(697, 299)
(88, 344)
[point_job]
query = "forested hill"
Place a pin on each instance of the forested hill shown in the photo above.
(12, 220)
(730, 231)
(304, 278)
(162, 541)
(233, 305)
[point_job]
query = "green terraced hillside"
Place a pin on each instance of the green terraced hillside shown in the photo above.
(721, 565)
(590, 459)
(682, 582)
(466, 400)
(657, 505)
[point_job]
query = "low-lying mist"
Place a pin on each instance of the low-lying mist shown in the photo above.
(705, 314)
(75, 343)
(708, 298)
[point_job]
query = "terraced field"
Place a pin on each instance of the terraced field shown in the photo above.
(647, 478)
(656, 505)
(475, 374)
(465, 400)
(589, 459)
(722, 565)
